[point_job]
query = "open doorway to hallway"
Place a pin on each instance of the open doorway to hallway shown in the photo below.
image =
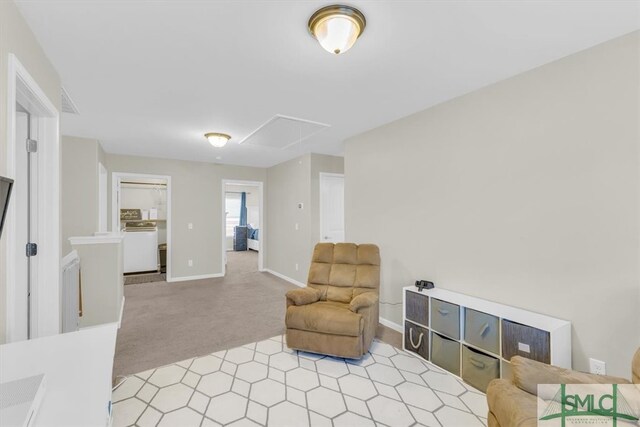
(242, 227)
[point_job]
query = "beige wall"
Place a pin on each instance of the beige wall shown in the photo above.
(196, 197)
(290, 183)
(17, 38)
(79, 187)
(525, 192)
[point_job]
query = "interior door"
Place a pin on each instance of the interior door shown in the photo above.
(26, 191)
(331, 208)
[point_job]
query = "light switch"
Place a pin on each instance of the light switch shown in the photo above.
(190, 226)
(297, 226)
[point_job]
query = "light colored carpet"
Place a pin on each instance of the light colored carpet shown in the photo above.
(167, 322)
(267, 384)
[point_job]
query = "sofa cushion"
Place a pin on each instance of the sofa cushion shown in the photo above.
(326, 317)
(527, 374)
(511, 406)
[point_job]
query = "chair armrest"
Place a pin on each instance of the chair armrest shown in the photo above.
(366, 299)
(303, 296)
(527, 374)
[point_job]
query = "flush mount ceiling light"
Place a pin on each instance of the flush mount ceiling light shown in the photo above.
(216, 139)
(337, 27)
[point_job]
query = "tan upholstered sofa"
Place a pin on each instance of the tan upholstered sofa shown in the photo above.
(513, 403)
(337, 313)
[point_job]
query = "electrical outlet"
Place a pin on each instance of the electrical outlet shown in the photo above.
(597, 367)
(190, 226)
(297, 267)
(190, 262)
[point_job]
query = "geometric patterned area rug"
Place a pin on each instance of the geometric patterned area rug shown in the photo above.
(267, 384)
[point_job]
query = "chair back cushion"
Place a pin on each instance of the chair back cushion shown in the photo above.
(342, 271)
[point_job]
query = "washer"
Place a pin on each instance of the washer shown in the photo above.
(140, 247)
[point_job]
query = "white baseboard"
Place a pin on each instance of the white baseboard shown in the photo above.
(200, 277)
(390, 324)
(121, 311)
(283, 277)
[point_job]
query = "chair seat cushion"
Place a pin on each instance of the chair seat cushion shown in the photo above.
(327, 317)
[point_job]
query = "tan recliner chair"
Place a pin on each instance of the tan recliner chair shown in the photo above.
(513, 403)
(337, 313)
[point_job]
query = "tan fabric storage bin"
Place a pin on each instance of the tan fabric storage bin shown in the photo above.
(478, 369)
(445, 318)
(416, 339)
(482, 330)
(417, 308)
(445, 353)
(525, 341)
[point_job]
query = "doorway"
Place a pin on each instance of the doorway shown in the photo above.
(32, 223)
(141, 208)
(242, 227)
(331, 207)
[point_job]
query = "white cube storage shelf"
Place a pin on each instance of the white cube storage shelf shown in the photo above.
(474, 338)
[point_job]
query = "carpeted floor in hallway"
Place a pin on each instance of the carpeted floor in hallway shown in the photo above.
(167, 322)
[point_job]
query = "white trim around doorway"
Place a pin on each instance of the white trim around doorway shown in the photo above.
(261, 241)
(45, 297)
(116, 177)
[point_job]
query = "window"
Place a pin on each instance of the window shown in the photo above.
(232, 207)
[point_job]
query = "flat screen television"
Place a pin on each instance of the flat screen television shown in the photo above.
(5, 192)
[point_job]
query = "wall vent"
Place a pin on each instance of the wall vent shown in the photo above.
(282, 132)
(68, 106)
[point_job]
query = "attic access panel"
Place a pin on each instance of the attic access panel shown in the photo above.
(282, 132)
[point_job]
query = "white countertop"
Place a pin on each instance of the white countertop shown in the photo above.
(77, 367)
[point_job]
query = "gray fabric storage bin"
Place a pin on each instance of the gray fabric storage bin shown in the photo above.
(482, 330)
(445, 318)
(445, 353)
(416, 339)
(525, 341)
(478, 369)
(417, 307)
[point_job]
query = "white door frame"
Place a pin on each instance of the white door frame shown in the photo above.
(261, 226)
(116, 177)
(324, 175)
(45, 295)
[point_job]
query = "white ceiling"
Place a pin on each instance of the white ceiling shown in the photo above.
(151, 77)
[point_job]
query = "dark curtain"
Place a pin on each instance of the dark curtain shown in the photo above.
(243, 208)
